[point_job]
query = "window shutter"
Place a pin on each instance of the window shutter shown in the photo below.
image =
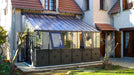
(127, 4)
(130, 4)
(101, 4)
(124, 2)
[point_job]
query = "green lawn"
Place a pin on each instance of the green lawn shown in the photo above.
(107, 72)
(112, 70)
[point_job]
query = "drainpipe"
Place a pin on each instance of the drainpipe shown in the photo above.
(13, 32)
(121, 5)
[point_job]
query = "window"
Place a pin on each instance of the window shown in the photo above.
(50, 5)
(56, 40)
(86, 5)
(103, 4)
(127, 4)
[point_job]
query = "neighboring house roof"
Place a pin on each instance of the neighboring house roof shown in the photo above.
(27, 4)
(105, 27)
(69, 6)
(115, 8)
(58, 23)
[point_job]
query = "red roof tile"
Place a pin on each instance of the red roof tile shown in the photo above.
(27, 4)
(105, 27)
(69, 6)
(115, 8)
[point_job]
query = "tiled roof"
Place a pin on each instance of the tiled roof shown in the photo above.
(69, 6)
(105, 27)
(27, 4)
(115, 8)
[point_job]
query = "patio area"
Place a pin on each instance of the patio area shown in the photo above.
(26, 68)
(124, 62)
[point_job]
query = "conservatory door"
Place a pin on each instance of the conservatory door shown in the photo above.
(129, 44)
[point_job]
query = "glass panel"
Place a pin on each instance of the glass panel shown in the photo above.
(51, 5)
(126, 41)
(97, 40)
(133, 42)
(88, 40)
(72, 39)
(45, 40)
(38, 39)
(46, 7)
(56, 40)
(46, 4)
(67, 39)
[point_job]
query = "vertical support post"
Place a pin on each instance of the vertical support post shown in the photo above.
(105, 42)
(92, 39)
(49, 49)
(121, 5)
(72, 40)
(95, 34)
(113, 43)
(77, 39)
(122, 44)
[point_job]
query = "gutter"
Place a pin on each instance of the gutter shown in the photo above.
(68, 12)
(29, 8)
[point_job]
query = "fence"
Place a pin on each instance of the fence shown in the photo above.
(64, 56)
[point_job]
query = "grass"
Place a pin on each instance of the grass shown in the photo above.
(112, 70)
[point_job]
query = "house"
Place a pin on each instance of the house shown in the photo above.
(96, 14)
(114, 18)
(59, 34)
(123, 14)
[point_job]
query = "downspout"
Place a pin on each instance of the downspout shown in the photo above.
(13, 30)
(121, 9)
(121, 5)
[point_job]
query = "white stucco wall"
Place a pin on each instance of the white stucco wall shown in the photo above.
(6, 21)
(94, 14)
(88, 15)
(124, 19)
(102, 16)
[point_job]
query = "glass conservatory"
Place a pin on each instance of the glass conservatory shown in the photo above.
(60, 40)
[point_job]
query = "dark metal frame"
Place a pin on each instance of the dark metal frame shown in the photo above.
(50, 34)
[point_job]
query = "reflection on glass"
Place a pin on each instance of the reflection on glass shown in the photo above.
(88, 40)
(57, 41)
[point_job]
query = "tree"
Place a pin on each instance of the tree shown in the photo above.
(3, 36)
(22, 37)
(107, 54)
(4, 66)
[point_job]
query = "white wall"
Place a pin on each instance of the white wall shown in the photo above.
(102, 16)
(88, 15)
(6, 20)
(124, 19)
(94, 14)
